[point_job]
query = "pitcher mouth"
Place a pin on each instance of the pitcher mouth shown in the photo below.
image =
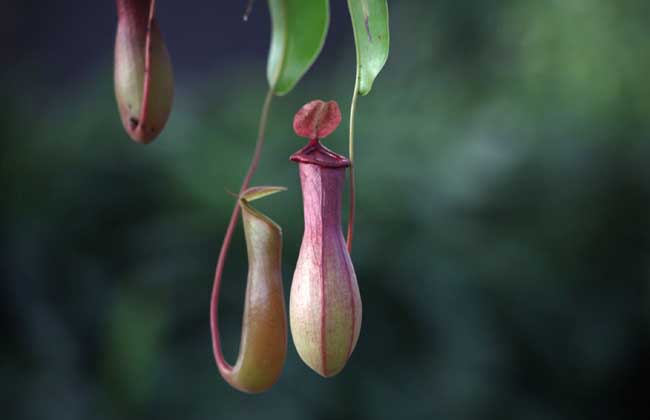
(316, 154)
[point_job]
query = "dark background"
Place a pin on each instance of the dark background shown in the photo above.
(503, 236)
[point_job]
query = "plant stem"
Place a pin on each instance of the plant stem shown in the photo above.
(249, 9)
(353, 108)
(225, 367)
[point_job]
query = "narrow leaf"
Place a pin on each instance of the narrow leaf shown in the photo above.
(298, 33)
(371, 36)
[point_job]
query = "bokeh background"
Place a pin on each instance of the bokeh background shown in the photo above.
(503, 237)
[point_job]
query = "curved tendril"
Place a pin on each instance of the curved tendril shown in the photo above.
(352, 204)
(224, 367)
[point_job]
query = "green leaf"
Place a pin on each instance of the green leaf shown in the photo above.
(298, 33)
(371, 36)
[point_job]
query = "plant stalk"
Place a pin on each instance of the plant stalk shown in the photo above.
(352, 204)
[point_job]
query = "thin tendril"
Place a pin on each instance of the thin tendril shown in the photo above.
(224, 367)
(352, 205)
(249, 9)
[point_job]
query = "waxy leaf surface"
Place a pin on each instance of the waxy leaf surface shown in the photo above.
(298, 32)
(371, 36)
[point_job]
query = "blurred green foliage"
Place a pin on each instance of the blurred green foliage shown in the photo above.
(503, 237)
